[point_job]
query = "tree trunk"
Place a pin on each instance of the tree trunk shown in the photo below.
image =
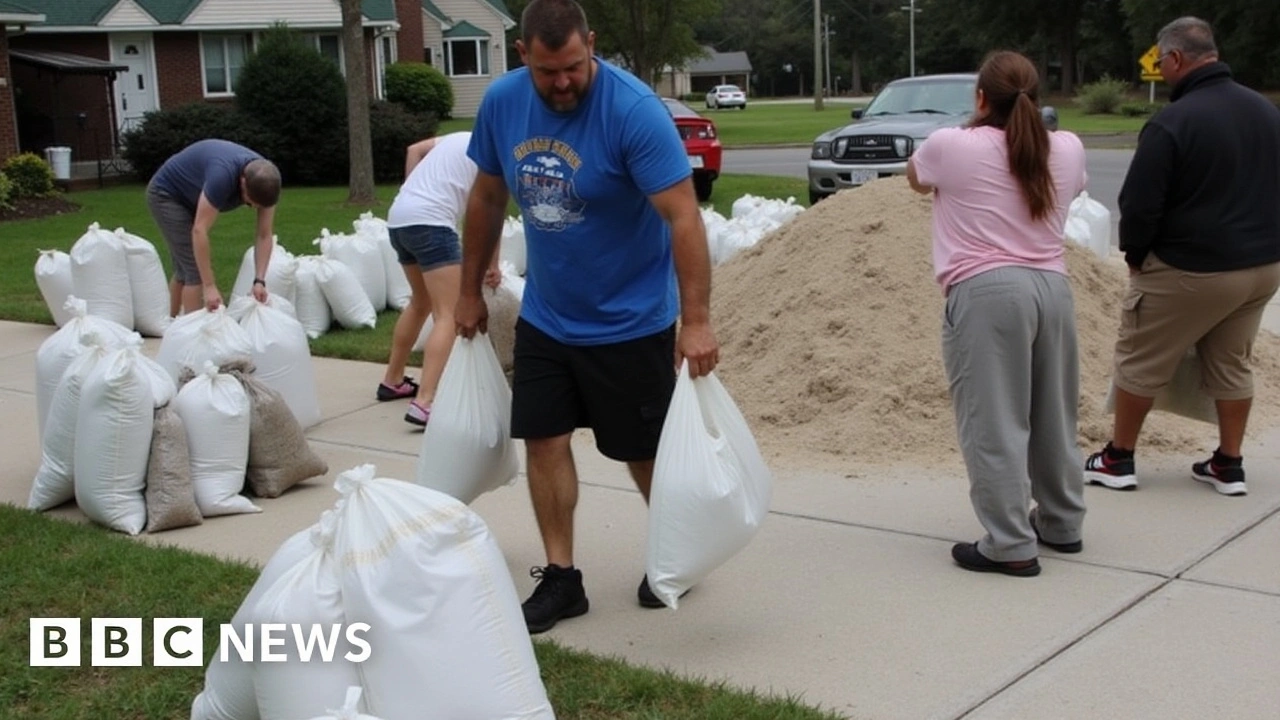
(855, 78)
(360, 189)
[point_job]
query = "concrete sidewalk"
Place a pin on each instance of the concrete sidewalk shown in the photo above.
(848, 597)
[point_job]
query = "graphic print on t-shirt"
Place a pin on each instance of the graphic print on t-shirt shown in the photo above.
(545, 171)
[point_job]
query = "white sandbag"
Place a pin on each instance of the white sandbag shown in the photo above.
(54, 482)
(240, 306)
(512, 248)
(228, 692)
(350, 709)
(312, 307)
(1098, 218)
(711, 487)
(57, 350)
(467, 448)
(281, 277)
(1183, 396)
(147, 283)
(745, 206)
(347, 299)
(113, 441)
(504, 310)
(53, 278)
(375, 230)
(200, 336)
(215, 410)
(309, 594)
(282, 358)
(446, 628)
(364, 257)
(100, 269)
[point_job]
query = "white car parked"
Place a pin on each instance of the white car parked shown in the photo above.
(722, 96)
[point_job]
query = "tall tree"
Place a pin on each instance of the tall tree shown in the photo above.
(647, 35)
(360, 182)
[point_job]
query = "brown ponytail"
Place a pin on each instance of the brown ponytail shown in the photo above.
(1011, 87)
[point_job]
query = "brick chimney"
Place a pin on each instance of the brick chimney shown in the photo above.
(409, 42)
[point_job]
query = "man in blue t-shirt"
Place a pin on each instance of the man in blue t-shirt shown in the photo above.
(185, 196)
(616, 250)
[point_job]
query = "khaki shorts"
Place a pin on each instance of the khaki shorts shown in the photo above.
(1167, 311)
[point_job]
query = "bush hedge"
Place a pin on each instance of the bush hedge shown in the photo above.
(393, 129)
(299, 97)
(29, 175)
(6, 192)
(1138, 109)
(420, 88)
(1103, 96)
(165, 132)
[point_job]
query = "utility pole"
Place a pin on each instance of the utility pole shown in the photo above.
(817, 54)
(826, 38)
(911, 32)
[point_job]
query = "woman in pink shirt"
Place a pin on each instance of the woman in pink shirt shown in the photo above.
(1001, 187)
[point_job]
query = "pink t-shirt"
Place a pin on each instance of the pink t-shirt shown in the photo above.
(980, 218)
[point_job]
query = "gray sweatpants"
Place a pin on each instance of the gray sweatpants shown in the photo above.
(1009, 345)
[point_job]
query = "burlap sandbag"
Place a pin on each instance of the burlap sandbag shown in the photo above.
(279, 455)
(170, 494)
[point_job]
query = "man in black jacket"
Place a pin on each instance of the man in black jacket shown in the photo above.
(1200, 230)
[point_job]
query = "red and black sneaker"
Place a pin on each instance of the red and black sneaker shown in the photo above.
(1225, 474)
(1106, 469)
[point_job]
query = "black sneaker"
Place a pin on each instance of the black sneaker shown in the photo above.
(646, 597)
(559, 595)
(1226, 475)
(406, 389)
(1069, 547)
(1103, 469)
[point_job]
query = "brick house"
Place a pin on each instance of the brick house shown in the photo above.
(13, 18)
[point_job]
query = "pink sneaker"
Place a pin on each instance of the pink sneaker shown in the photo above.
(406, 389)
(418, 414)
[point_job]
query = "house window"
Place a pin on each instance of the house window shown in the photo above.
(385, 47)
(222, 57)
(429, 55)
(466, 57)
(330, 46)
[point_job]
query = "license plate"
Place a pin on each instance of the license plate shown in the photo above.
(695, 161)
(858, 177)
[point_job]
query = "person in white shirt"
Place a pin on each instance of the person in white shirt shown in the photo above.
(423, 221)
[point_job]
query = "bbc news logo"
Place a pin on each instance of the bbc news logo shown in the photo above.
(179, 642)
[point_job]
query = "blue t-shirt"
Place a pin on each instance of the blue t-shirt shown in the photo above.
(599, 262)
(212, 167)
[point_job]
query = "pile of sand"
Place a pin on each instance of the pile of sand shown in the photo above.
(830, 335)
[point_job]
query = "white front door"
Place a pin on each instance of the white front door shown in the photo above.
(135, 88)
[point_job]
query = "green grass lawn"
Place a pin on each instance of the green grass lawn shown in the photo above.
(299, 218)
(54, 568)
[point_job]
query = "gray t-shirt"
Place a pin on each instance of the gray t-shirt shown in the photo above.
(212, 167)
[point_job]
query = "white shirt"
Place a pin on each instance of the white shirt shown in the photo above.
(435, 193)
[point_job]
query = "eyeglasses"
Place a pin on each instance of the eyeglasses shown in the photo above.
(1160, 60)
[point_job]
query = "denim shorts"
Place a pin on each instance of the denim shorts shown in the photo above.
(427, 246)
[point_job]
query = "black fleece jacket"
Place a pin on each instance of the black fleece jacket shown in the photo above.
(1203, 190)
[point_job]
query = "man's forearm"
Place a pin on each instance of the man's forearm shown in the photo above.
(480, 238)
(693, 269)
(200, 249)
(262, 256)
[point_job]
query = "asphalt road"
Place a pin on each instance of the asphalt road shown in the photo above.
(1106, 170)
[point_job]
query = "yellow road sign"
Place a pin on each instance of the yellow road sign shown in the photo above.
(1150, 63)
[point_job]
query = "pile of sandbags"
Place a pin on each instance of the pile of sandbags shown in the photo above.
(418, 608)
(119, 276)
(751, 218)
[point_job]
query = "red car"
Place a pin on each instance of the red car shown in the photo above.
(700, 143)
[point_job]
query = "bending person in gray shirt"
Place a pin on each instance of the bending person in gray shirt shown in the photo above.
(185, 197)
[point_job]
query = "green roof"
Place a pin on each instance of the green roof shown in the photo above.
(13, 8)
(78, 13)
(436, 12)
(465, 29)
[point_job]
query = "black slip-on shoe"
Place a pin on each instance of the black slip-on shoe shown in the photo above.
(967, 556)
(559, 596)
(646, 597)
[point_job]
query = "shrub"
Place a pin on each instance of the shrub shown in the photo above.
(165, 132)
(393, 129)
(1138, 109)
(420, 88)
(29, 175)
(694, 97)
(299, 97)
(6, 192)
(1103, 96)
